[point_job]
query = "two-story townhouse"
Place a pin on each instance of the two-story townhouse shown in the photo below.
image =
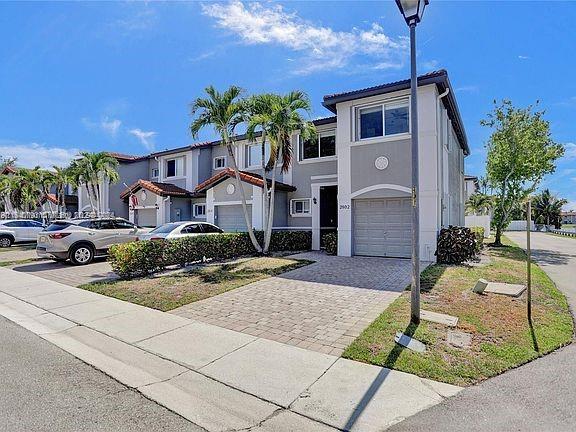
(354, 177)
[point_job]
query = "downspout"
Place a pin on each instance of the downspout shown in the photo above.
(440, 156)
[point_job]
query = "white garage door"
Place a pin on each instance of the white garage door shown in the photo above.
(231, 217)
(146, 217)
(382, 227)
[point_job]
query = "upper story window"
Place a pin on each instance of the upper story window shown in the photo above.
(154, 172)
(219, 162)
(175, 167)
(382, 120)
(254, 155)
(324, 145)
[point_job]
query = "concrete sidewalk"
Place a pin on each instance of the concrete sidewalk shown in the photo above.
(217, 378)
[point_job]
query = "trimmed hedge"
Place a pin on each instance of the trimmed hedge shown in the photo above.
(144, 257)
(331, 243)
(455, 245)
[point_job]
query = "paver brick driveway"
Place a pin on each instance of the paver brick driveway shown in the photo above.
(322, 307)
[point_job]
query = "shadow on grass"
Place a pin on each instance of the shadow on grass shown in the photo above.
(533, 334)
(430, 277)
(379, 380)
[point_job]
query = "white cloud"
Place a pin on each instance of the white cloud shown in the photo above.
(146, 138)
(321, 48)
(136, 22)
(570, 150)
(429, 65)
(571, 206)
(523, 57)
(467, 89)
(35, 154)
(106, 125)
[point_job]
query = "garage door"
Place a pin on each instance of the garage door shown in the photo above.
(231, 217)
(382, 227)
(146, 217)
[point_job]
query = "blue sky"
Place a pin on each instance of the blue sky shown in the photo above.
(120, 75)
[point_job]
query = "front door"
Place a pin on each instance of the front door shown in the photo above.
(328, 211)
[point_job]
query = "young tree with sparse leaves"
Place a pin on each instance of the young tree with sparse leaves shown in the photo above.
(521, 152)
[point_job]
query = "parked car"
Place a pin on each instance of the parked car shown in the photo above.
(80, 240)
(174, 230)
(18, 230)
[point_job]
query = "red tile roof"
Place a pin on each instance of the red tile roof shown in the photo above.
(121, 157)
(8, 169)
(162, 189)
(248, 177)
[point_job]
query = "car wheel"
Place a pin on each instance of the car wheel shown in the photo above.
(81, 254)
(6, 241)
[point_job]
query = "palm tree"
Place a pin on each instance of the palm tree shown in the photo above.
(93, 170)
(547, 208)
(224, 112)
(279, 118)
(61, 178)
(6, 187)
(479, 203)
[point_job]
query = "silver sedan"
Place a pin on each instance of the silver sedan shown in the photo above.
(175, 230)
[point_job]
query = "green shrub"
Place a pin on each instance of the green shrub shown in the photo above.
(478, 232)
(455, 245)
(149, 256)
(137, 258)
(331, 243)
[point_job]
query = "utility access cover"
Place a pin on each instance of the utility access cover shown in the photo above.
(410, 343)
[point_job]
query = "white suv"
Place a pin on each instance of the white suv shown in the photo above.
(18, 230)
(80, 240)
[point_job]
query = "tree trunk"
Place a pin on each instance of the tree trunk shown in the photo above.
(268, 233)
(498, 237)
(243, 199)
(265, 187)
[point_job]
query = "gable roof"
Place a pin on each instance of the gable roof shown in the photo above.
(440, 78)
(247, 177)
(68, 199)
(121, 157)
(8, 169)
(162, 189)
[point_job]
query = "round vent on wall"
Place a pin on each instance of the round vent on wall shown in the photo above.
(143, 196)
(230, 189)
(381, 162)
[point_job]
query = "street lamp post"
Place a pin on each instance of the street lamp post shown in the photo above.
(413, 10)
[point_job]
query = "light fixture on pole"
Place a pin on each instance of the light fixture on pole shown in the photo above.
(412, 11)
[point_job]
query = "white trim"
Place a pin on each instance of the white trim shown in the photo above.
(324, 177)
(214, 167)
(221, 203)
(297, 228)
(315, 208)
(381, 186)
(299, 159)
(378, 140)
(317, 160)
(210, 206)
(309, 214)
(144, 207)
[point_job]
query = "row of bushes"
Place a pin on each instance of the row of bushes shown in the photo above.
(144, 257)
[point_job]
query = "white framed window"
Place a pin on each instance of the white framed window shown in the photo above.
(154, 172)
(254, 155)
(382, 120)
(219, 162)
(300, 207)
(175, 167)
(323, 146)
(200, 210)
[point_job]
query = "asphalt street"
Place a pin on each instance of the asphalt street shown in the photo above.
(539, 396)
(43, 388)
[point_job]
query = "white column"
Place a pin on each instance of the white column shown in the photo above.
(343, 135)
(160, 210)
(210, 216)
(131, 214)
(257, 208)
(315, 216)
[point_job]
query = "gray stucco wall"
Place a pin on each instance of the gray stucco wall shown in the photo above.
(129, 173)
(183, 204)
(280, 209)
(365, 173)
(221, 194)
(205, 164)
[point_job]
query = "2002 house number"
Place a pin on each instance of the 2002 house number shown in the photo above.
(344, 206)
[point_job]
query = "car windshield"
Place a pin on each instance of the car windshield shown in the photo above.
(165, 229)
(57, 226)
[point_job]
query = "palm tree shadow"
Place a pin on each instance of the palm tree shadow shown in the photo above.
(379, 380)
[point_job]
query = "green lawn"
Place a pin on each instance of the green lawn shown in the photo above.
(501, 335)
(169, 292)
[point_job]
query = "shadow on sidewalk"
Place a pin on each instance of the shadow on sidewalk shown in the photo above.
(379, 380)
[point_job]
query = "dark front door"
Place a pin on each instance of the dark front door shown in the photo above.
(328, 211)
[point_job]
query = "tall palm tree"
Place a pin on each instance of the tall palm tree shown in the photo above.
(93, 170)
(280, 118)
(547, 208)
(223, 112)
(479, 203)
(6, 187)
(61, 178)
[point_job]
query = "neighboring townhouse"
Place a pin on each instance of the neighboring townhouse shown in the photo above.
(568, 217)
(471, 186)
(354, 178)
